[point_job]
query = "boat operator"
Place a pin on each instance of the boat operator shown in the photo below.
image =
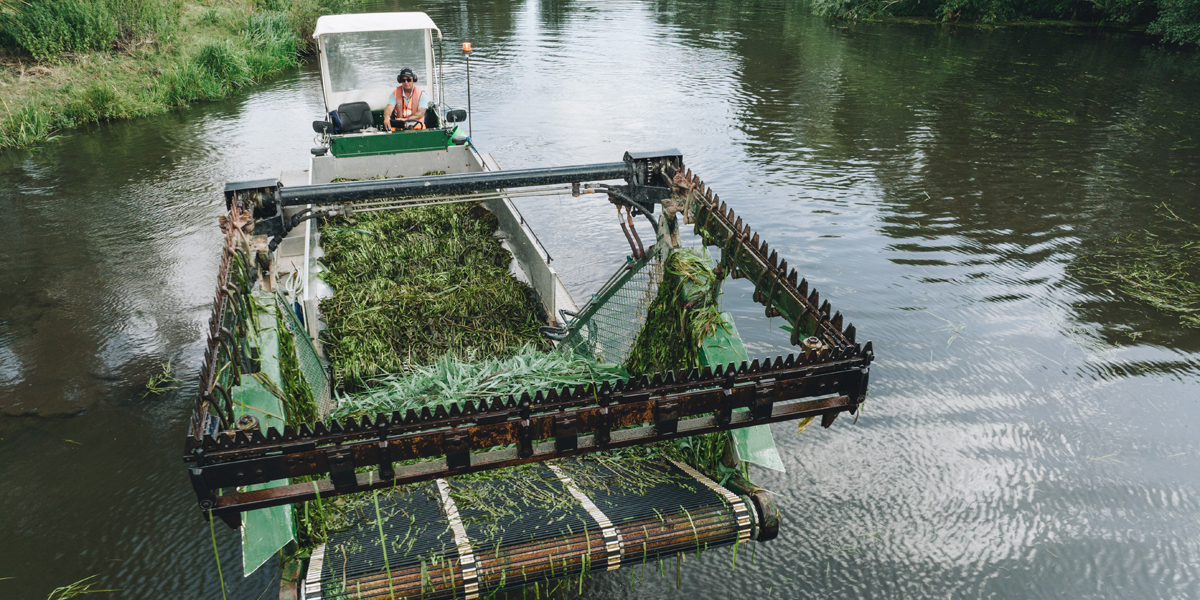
(407, 104)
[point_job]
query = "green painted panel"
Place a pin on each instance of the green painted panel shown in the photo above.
(397, 142)
(264, 531)
(753, 444)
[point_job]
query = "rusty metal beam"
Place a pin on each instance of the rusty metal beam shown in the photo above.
(743, 254)
(494, 459)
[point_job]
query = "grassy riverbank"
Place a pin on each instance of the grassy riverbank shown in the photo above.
(87, 61)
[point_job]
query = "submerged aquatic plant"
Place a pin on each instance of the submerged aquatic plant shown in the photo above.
(1162, 271)
(455, 380)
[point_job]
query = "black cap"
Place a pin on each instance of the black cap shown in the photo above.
(406, 71)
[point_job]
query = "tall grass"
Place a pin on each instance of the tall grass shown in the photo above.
(120, 59)
(48, 29)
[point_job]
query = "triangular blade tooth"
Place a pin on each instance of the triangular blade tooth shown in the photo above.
(411, 417)
(440, 412)
(790, 361)
(706, 373)
(836, 321)
(468, 408)
(426, 414)
(774, 259)
(825, 308)
(850, 332)
(754, 366)
(737, 225)
(754, 242)
(304, 431)
(783, 270)
(397, 418)
(814, 298)
(455, 411)
(512, 401)
(803, 287)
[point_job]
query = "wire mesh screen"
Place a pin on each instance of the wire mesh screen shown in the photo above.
(310, 363)
(609, 324)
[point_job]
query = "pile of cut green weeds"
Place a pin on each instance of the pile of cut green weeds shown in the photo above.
(1160, 269)
(458, 380)
(415, 285)
(686, 310)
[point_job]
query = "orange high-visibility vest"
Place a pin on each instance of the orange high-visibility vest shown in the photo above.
(406, 107)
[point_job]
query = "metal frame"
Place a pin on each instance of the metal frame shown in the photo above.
(825, 379)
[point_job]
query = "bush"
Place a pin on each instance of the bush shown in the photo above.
(50, 28)
(47, 29)
(1178, 21)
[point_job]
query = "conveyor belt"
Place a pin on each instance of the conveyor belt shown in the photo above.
(538, 523)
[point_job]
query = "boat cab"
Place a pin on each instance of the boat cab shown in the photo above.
(360, 56)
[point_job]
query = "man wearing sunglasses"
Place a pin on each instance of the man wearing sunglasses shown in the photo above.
(406, 107)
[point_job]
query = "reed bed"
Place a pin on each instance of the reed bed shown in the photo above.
(416, 285)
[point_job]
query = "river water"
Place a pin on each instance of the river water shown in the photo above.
(1028, 434)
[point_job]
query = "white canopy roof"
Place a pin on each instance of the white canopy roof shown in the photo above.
(374, 22)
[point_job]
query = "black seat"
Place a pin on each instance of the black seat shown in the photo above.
(355, 116)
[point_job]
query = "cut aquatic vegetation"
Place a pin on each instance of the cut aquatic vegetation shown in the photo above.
(1159, 268)
(415, 285)
(686, 310)
(460, 380)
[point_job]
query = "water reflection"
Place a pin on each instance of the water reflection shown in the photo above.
(935, 184)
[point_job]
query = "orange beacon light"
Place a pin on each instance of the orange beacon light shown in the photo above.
(466, 46)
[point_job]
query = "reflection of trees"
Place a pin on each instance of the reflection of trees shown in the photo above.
(1020, 147)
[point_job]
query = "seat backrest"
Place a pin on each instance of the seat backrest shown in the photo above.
(355, 116)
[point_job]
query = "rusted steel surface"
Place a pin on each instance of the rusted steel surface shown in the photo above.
(744, 254)
(546, 425)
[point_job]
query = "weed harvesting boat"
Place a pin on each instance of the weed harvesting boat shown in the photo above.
(400, 394)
